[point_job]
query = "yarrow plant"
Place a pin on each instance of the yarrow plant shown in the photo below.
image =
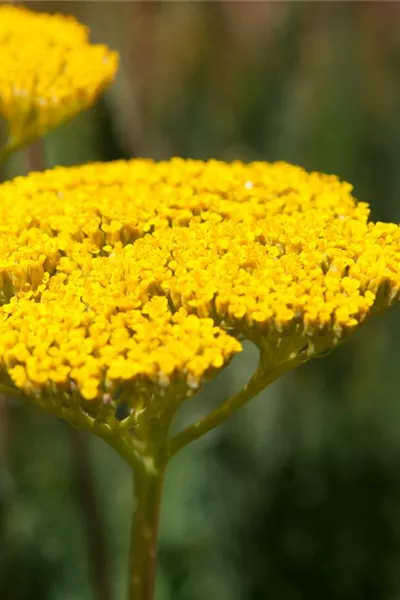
(125, 286)
(49, 72)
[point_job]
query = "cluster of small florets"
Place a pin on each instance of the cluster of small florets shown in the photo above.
(114, 275)
(49, 71)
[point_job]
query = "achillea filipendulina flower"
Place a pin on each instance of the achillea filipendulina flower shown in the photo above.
(136, 280)
(124, 286)
(49, 71)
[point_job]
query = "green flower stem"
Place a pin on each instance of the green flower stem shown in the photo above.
(13, 145)
(262, 377)
(148, 484)
(8, 149)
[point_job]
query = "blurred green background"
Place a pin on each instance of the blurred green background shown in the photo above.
(298, 496)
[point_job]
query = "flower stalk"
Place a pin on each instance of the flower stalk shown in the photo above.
(148, 480)
(148, 485)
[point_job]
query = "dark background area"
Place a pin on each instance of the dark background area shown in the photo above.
(298, 496)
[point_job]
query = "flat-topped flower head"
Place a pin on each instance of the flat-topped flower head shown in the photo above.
(49, 71)
(135, 281)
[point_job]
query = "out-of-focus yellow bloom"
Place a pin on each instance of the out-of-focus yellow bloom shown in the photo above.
(48, 73)
(142, 276)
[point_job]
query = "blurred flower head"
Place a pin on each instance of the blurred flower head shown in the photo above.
(143, 278)
(49, 71)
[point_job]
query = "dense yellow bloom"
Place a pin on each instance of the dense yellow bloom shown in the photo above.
(140, 276)
(49, 71)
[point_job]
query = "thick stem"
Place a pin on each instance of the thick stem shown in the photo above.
(148, 484)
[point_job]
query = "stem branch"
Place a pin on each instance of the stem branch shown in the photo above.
(261, 378)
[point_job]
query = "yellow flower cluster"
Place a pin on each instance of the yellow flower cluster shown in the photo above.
(133, 274)
(49, 71)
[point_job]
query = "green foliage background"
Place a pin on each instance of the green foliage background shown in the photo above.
(298, 496)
